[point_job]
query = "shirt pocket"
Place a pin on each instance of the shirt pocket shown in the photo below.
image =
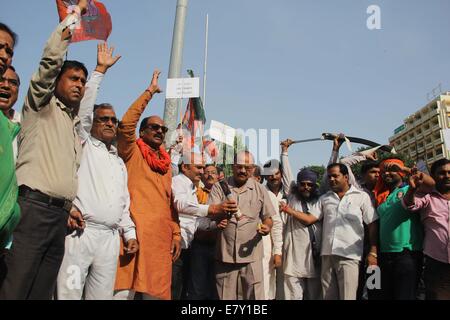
(352, 213)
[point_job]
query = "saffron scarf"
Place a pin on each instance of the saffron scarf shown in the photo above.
(381, 191)
(161, 163)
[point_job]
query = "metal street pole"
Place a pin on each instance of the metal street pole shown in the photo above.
(206, 61)
(173, 106)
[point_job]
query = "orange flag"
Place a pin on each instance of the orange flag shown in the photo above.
(95, 22)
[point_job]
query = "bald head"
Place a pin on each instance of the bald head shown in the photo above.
(244, 157)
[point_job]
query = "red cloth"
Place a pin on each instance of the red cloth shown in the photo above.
(95, 22)
(211, 149)
(381, 191)
(159, 164)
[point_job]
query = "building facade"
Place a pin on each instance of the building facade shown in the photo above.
(425, 135)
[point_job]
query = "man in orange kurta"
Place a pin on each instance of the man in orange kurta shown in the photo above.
(149, 182)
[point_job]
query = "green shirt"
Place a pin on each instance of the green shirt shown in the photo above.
(399, 229)
(9, 209)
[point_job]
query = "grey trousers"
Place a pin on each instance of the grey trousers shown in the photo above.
(232, 276)
(339, 278)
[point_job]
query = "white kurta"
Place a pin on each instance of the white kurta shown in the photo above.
(90, 260)
(272, 245)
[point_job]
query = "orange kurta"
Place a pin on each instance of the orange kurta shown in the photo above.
(150, 270)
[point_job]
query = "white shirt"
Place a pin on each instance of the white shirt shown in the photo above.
(276, 233)
(192, 215)
(343, 230)
(17, 118)
(102, 196)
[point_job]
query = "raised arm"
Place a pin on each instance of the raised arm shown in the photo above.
(42, 82)
(337, 143)
(410, 200)
(126, 136)
(356, 158)
(105, 60)
(287, 178)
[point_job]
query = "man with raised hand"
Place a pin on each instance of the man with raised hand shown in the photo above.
(101, 209)
(49, 157)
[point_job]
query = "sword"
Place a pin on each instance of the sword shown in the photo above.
(332, 136)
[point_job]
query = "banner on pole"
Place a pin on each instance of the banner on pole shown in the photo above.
(222, 133)
(183, 88)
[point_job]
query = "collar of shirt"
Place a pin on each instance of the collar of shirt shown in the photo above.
(438, 194)
(188, 181)
(280, 194)
(16, 117)
(352, 189)
(67, 110)
(249, 185)
(99, 144)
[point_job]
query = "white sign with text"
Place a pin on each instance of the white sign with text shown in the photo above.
(221, 132)
(183, 88)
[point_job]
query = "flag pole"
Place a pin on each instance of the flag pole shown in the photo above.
(204, 79)
(206, 61)
(173, 106)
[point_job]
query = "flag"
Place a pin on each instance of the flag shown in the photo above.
(194, 120)
(211, 151)
(95, 22)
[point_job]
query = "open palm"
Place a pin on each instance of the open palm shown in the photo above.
(105, 58)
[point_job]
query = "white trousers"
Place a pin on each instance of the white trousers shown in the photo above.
(302, 288)
(269, 272)
(89, 266)
(339, 278)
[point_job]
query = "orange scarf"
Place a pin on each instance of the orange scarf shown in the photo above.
(381, 191)
(161, 163)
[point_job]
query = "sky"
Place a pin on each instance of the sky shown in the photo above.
(303, 67)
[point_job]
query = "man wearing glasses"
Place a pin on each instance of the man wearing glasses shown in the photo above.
(149, 272)
(344, 209)
(301, 260)
(101, 208)
(239, 251)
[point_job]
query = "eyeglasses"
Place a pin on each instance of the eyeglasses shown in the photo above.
(12, 82)
(156, 127)
(105, 120)
(9, 51)
(306, 184)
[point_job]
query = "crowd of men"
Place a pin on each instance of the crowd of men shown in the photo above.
(90, 210)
